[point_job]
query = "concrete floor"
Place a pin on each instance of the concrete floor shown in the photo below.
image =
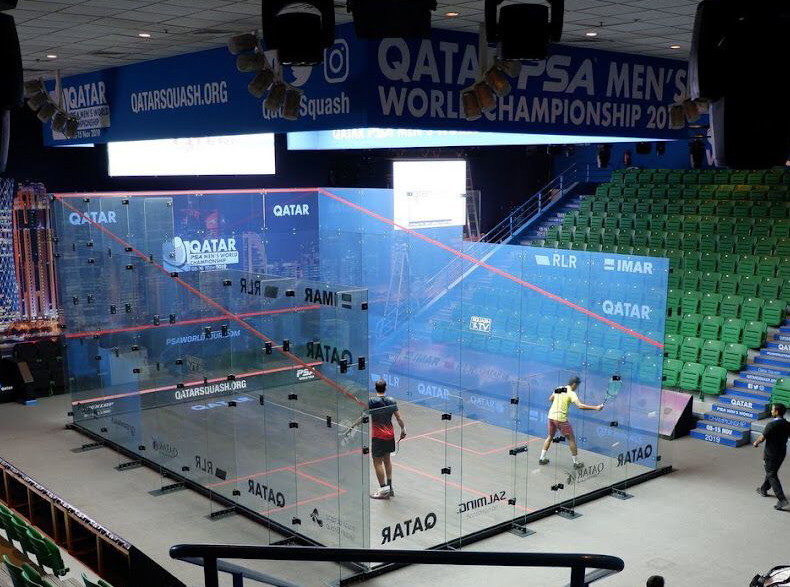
(702, 525)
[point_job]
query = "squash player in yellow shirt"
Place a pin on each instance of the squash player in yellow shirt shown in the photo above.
(561, 399)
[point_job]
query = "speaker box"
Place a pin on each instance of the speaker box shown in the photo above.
(11, 90)
(707, 67)
(392, 18)
(16, 381)
(524, 31)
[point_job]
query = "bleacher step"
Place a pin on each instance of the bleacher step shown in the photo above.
(761, 405)
(724, 430)
(778, 345)
(772, 371)
(741, 412)
(782, 337)
(715, 438)
(727, 420)
(771, 358)
(753, 392)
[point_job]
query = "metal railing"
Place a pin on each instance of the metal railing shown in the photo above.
(211, 556)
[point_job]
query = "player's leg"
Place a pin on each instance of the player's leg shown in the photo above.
(388, 472)
(552, 428)
(567, 431)
(381, 475)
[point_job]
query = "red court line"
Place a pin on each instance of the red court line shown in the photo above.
(191, 384)
(493, 269)
(222, 309)
(317, 480)
(477, 452)
(304, 502)
(178, 193)
(190, 321)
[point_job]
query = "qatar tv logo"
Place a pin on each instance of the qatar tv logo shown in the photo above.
(182, 254)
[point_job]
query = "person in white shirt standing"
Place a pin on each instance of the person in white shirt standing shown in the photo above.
(560, 400)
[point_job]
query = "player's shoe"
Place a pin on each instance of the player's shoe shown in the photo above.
(543, 461)
(392, 491)
(382, 493)
(579, 465)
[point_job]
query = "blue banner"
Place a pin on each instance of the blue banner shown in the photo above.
(383, 83)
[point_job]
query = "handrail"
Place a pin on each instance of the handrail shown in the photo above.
(240, 573)
(577, 563)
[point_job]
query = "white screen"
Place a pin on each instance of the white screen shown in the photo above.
(429, 193)
(233, 155)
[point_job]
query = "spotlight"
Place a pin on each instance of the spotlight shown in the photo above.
(72, 125)
(627, 159)
(677, 117)
(250, 62)
(295, 30)
(276, 97)
(510, 67)
(381, 19)
(261, 82)
(524, 30)
(691, 111)
(485, 96)
(497, 82)
(604, 153)
(470, 104)
(293, 100)
(36, 101)
(46, 112)
(59, 121)
(34, 87)
(241, 43)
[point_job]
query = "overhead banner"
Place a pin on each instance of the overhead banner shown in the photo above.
(391, 83)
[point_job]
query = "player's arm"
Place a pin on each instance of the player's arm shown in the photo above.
(356, 423)
(762, 438)
(582, 406)
(551, 398)
(401, 423)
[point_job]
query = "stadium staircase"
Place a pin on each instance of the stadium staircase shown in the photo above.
(727, 237)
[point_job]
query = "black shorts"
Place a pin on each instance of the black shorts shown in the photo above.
(381, 447)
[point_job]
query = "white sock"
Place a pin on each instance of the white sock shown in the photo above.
(542, 454)
(575, 459)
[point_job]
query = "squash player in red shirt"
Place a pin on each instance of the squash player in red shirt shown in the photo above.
(382, 408)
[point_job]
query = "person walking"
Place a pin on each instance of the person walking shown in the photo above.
(561, 399)
(381, 409)
(775, 438)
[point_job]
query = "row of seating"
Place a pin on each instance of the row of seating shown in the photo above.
(781, 391)
(692, 176)
(771, 311)
(26, 575)
(32, 542)
(725, 210)
(750, 333)
(731, 356)
(756, 193)
(681, 241)
(692, 376)
(705, 220)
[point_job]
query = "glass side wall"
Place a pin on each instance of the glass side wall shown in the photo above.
(473, 339)
(241, 382)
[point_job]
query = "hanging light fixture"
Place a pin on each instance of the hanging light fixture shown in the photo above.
(470, 104)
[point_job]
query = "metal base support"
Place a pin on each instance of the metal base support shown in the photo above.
(222, 513)
(568, 513)
(165, 489)
(129, 465)
(87, 447)
(521, 530)
(620, 494)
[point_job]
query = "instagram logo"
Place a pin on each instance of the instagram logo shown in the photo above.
(336, 62)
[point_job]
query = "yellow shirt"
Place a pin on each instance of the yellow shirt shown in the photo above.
(560, 403)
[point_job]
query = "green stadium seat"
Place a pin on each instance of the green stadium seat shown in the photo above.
(645, 177)
(611, 222)
(658, 252)
(755, 177)
(743, 227)
(602, 190)
(782, 247)
(659, 192)
(707, 209)
(767, 266)
(47, 553)
(617, 176)
(643, 207)
(596, 248)
(690, 177)
(770, 288)
(761, 228)
(671, 372)
(673, 223)
(765, 245)
(773, 177)
(624, 250)
(750, 285)
(32, 578)
(599, 206)
(732, 330)
(585, 206)
(729, 283)
(628, 208)
(780, 228)
(675, 177)
(710, 304)
(672, 343)
(675, 258)
(655, 239)
(691, 349)
(728, 262)
(691, 280)
(672, 207)
(709, 283)
(690, 303)
(744, 245)
(713, 380)
(731, 306)
(783, 271)
(624, 238)
(596, 222)
(691, 242)
(734, 357)
(691, 376)
(725, 226)
(612, 207)
(626, 223)
(672, 325)
(752, 309)
(737, 177)
(639, 238)
(690, 324)
(690, 261)
(657, 222)
(774, 312)
(711, 327)
(785, 293)
(641, 251)
(14, 571)
(631, 177)
(747, 265)
(708, 261)
(721, 176)
(569, 221)
(754, 333)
